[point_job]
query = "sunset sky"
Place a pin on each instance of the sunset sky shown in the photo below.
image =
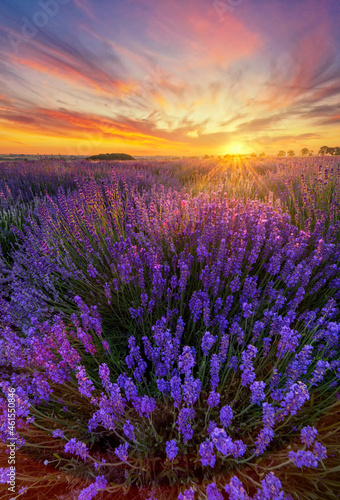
(169, 77)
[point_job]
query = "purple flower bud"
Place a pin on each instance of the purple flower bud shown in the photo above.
(187, 495)
(213, 493)
(226, 415)
(208, 341)
(257, 392)
(77, 448)
(122, 452)
(206, 451)
(129, 430)
(303, 458)
(58, 433)
(235, 489)
(213, 399)
(308, 435)
(171, 449)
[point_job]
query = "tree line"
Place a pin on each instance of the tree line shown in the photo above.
(324, 150)
(111, 156)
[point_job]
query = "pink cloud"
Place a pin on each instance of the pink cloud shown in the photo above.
(198, 33)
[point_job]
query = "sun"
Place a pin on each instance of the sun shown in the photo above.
(235, 148)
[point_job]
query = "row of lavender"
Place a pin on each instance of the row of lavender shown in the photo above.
(167, 337)
(306, 188)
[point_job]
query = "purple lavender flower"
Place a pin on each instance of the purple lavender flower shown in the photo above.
(235, 490)
(248, 355)
(288, 342)
(233, 363)
(247, 309)
(206, 451)
(106, 346)
(163, 385)
(84, 384)
(187, 360)
(171, 449)
(224, 345)
(268, 415)
(195, 305)
(145, 406)
(208, 341)
(257, 329)
(263, 439)
(104, 374)
(92, 490)
(303, 458)
(92, 271)
(187, 495)
(183, 424)
(308, 435)
(275, 378)
(257, 392)
(267, 342)
(144, 300)
(300, 363)
(213, 493)
(238, 449)
(319, 451)
(4, 475)
(271, 488)
(176, 390)
(248, 376)
(222, 442)
(129, 430)
(214, 369)
(77, 448)
(226, 415)
(211, 426)
(213, 399)
(295, 398)
(191, 390)
(319, 372)
(122, 452)
(58, 433)
(126, 383)
(135, 358)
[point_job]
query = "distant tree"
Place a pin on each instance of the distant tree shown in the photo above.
(329, 151)
(310, 152)
(206, 156)
(290, 153)
(323, 150)
(253, 155)
(261, 155)
(304, 152)
(281, 153)
(111, 156)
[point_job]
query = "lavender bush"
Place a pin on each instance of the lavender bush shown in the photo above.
(173, 342)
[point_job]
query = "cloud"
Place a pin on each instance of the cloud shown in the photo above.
(172, 73)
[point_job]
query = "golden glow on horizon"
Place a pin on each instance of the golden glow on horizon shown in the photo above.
(236, 148)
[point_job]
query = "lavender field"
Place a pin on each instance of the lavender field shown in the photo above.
(171, 329)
